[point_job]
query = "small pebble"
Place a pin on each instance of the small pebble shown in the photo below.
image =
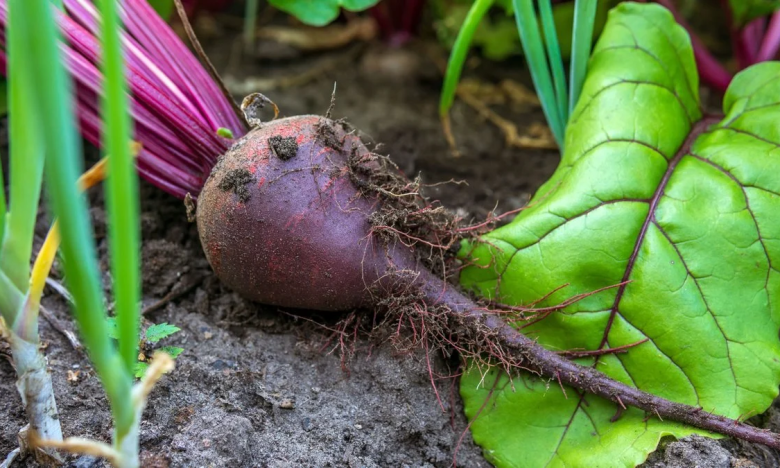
(316, 389)
(86, 462)
(219, 364)
(287, 404)
(306, 424)
(358, 426)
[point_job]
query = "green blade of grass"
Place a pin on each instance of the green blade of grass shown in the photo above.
(582, 38)
(531, 38)
(2, 206)
(121, 188)
(556, 61)
(459, 51)
(10, 299)
(250, 21)
(55, 122)
(26, 164)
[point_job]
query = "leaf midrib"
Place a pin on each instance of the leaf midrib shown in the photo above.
(697, 129)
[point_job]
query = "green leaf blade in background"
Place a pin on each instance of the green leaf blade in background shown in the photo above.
(26, 162)
(459, 51)
(320, 12)
(743, 11)
(159, 331)
(172, 351)
(684, 209)
(164, 8)
(121, 187)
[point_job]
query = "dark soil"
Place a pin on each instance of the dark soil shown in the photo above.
(256, 386)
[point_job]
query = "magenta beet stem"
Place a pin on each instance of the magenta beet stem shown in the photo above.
(771, 41)
(747, 42)
(176, 106)
(710, 70)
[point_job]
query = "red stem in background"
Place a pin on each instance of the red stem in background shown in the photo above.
(746, 42)
(379, 13)
(754, 33)
(411, 15)
(397, 19)
(771, 42)
(710, 70)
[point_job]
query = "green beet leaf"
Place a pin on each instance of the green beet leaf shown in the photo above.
(745, 10)
(320, 12)
(686, 209)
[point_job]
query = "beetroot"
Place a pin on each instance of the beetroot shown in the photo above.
(282, 222)
(289, 217)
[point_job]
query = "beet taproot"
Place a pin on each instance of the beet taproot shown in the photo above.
(285, 218)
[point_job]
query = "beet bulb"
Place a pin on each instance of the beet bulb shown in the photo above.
(288, 217)
(282, 221)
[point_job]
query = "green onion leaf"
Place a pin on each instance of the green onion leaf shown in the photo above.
(121, 189)
(528, 27)
(25, 159)
(582, 38)
(459, 51)
(556, 60)
(55, 127)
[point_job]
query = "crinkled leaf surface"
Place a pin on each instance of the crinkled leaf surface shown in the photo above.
(685, 208)
(320, 12)
(745, 10)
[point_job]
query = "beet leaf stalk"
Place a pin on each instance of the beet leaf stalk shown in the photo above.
(298, 213)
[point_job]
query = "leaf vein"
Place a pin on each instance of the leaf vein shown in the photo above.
(592, 98)
(706, 305)
(664, 353)
(584, 213)
(749, 210)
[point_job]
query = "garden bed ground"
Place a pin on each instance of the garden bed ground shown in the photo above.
(254, 386)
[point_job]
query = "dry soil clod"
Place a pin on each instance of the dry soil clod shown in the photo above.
(235, 181)
(283, 147)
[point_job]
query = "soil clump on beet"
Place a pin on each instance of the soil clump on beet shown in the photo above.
(284, 148)
(235, 181)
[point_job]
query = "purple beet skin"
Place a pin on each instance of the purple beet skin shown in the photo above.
(283, 222)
